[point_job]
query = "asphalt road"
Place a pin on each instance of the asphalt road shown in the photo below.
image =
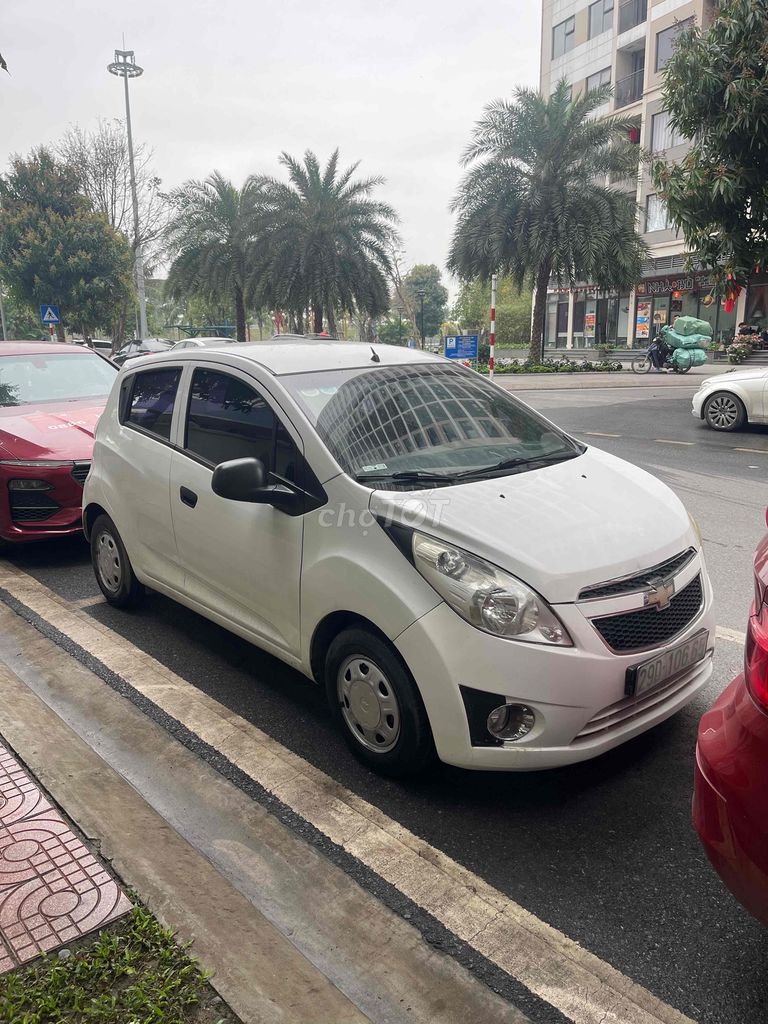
(603, 851)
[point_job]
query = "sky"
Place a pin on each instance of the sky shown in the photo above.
(228, 85)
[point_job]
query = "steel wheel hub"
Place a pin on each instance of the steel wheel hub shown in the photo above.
(108, 562)
(368, 704)
(723, 411)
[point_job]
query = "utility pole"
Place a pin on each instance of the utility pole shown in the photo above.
(399, 325)
(2, 314)
(421, 293)
(124, 66)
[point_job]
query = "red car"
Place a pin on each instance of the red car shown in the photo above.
(730, 803)
(51, 397)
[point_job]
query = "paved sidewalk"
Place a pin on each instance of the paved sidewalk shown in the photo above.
(620, 379)
(52, 889)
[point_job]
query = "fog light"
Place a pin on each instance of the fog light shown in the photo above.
(511, 721)
(24, 484)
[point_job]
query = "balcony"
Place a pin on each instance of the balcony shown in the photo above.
(630, 89)
(631, 14)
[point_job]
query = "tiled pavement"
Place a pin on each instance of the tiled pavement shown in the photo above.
(52, 889)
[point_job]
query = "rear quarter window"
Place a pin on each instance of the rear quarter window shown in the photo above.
(147, 400)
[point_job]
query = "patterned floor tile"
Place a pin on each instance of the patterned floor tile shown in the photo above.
(52, 889)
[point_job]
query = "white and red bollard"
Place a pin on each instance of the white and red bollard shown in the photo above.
(492, 336)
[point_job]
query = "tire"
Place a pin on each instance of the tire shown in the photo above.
(641, 364)
(112, 567)
(377, 705)
(724, 411)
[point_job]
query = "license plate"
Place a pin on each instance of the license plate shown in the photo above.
(647, 676)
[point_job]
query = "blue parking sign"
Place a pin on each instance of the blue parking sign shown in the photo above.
(464, 346)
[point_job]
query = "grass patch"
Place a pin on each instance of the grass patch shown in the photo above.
(132, 973)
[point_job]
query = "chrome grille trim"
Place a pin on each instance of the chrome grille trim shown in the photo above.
(638, 581)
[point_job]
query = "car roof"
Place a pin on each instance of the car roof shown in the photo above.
(37, 348)
(301, 356)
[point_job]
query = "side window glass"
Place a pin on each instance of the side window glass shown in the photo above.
(228, 419)
(152, 399)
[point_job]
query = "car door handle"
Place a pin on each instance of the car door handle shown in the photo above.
(188, 497)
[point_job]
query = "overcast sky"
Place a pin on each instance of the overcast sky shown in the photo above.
(396, 84)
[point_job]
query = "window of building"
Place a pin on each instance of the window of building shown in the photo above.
(149, 404)
(228, 419)
(656, 216)
(600, 17)
(600, 78)
(663, 135)
(563, 37)
(666, 40)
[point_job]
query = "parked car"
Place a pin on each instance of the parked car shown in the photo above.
(145, 347)
(731, 400)
(102, 345)
(458, 573)
(730, 803)
(201, 343)
(51, 396)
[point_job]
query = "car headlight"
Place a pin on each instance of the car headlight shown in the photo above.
(488, 597)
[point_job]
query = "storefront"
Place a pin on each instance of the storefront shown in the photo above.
(599, 318)
(660, 300)
(757, 301)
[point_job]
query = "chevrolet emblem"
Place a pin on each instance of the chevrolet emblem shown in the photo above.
(660, 594)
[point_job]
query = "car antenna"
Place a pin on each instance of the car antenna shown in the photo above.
(375, 358)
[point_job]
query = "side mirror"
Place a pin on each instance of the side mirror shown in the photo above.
(239, 480)
(246, 480)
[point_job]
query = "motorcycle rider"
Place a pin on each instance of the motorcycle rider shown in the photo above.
(658, 352)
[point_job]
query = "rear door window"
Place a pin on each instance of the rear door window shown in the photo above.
(152, 399)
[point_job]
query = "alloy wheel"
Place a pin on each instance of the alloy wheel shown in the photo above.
(369, 704)
(723, 412)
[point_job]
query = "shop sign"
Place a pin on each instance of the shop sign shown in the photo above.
(667, 285)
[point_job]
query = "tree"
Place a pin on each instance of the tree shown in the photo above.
(426, 277)
(716, 91)
(513, 310)
(394, 330)
(215, 231)
(55, 248)
(328, 244)
(535, 203)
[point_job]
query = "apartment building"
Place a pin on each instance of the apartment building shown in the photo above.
(627, 43)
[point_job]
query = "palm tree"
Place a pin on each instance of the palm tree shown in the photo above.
(543, 196)
(328, 244)
(214, 231)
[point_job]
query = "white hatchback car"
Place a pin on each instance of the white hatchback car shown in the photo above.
(461, 576)
(733, 399)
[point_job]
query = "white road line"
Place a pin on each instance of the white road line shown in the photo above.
(752, 451)
(662, 440)
(580, 985)
(598, 433)
(735, 637)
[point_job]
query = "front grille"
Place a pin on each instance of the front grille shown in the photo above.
(81, 471)
(29, 507)
(640, 580)
(647, 628)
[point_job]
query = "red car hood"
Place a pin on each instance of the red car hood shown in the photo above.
(49, 430)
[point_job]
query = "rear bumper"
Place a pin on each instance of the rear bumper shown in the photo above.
(730, 801)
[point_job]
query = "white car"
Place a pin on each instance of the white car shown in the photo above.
(200, 343)
(731, 400)
(462, 577)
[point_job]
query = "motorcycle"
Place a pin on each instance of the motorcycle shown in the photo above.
(644, 362)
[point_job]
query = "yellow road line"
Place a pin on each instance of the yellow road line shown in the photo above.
(582, 987)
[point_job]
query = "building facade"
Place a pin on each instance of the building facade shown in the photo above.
(627, 43)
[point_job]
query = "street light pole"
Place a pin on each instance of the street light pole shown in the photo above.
(399, 325)
(125, 67)
(421, 293)
(2, 314)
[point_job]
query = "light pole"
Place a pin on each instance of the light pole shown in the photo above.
(421, 293)
(399, 325)
(2, 314)
(125, 67)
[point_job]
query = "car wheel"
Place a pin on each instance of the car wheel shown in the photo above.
(377, 704)
(113, 569)
(724, 411)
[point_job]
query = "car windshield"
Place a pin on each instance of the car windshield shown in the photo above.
(54, 377)
(404, 427)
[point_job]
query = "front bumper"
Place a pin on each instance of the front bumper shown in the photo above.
(730, 801)
(576, 692)
(697, 405)
(40, 515)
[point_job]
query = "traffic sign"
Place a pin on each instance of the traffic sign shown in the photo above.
(462, 347)
(49, 314)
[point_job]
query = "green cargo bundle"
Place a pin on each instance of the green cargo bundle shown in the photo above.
(685, 358)
(688, 338)
(688, 325)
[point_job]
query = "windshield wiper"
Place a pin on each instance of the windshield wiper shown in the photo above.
(520, 460)
(407, 476)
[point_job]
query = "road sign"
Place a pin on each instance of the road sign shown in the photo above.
(462, 347)
(49, 314)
